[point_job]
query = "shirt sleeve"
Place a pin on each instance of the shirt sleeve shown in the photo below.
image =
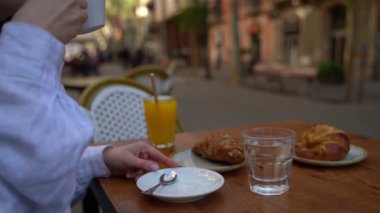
(43, 132)
(91, 165)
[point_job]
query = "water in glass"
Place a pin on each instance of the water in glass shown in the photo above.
(269, 163)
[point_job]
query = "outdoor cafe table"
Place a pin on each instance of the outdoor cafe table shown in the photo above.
(354, 188)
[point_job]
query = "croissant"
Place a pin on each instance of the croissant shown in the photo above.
(220, 147)
(323, 142)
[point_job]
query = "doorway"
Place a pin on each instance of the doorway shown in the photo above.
(377, 65)
(291, 38)
(338, 33)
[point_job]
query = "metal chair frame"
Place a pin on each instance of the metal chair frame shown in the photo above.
(141, 74)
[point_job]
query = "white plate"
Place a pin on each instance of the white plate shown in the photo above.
(355, 155)
(187, 158)
(191, 184)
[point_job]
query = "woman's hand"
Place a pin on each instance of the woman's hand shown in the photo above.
(135, 159)
(62, 18)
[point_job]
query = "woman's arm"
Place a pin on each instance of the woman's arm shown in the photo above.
(43, 132)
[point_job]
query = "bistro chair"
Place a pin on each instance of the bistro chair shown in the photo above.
(163, 79)
(117, 111)
(172, 66)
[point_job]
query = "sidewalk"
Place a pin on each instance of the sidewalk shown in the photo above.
(215, 104)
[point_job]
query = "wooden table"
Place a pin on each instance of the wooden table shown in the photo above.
(354, 188)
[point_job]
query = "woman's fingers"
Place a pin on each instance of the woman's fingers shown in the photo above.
(134, 173)
(157, 156)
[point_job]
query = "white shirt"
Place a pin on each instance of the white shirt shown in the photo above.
(44, 163)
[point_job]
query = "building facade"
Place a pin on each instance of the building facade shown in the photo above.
(254, 24)
(301, 33)
(173, 40)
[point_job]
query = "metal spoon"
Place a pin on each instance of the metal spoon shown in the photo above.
(167, 178)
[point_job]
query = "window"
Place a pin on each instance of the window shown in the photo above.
(338, 32)
(254, 3)
(291, 36)
(255, 42)
(217, 9)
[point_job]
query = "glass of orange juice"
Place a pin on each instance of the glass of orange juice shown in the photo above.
(161, 120)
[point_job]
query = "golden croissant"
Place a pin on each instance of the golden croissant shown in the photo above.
(323, 142)
(220, 147)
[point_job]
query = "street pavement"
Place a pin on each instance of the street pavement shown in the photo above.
(216, 104)
(204, 104)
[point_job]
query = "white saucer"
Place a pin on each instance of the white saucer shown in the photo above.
(355, 155)
(191, 184)
(187, 158)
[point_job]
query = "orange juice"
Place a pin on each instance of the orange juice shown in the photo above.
(161, 120)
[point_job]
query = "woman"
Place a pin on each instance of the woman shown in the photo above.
(45, 163)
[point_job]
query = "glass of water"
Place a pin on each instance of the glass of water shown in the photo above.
(269, 153)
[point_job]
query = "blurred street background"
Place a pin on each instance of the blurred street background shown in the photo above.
(241, 62)
(246, 61)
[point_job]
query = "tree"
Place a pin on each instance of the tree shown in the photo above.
(237, 66)
(194, 19)
(120, 15)
(117, 10)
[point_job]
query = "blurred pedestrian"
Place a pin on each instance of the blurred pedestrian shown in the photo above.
(138, 59)
(125, 56)
(89, 64)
